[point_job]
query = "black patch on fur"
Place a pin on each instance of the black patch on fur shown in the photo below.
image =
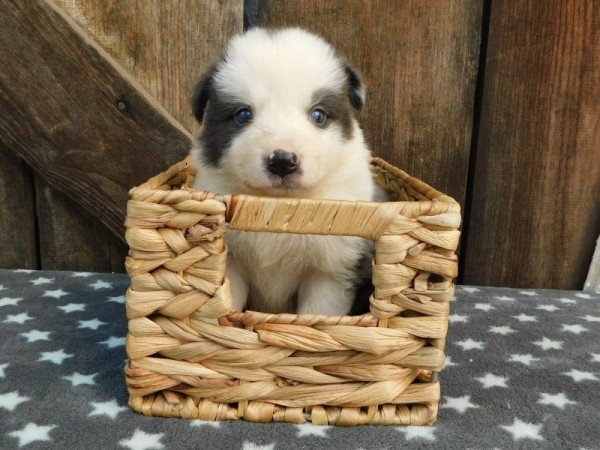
(217, 117)
(219, 128)
(355, 88)
(363, 288)
(337, 108)
(202, 93)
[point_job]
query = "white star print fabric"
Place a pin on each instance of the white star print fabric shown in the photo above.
(523, 371)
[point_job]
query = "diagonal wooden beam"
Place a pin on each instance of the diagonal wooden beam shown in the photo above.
(75, 115)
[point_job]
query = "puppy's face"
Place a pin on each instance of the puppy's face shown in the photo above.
(277, 112)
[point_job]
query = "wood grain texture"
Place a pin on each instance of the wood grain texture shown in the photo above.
(71, 240)
(165, 45)
(536, 198)
(419, 60)
(165, 48)
(17, 214)
(76, 116)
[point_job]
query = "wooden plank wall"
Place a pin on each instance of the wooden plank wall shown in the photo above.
(535, 211)
(495, 103)
(148, 40)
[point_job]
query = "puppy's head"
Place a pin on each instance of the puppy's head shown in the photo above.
(277, 113)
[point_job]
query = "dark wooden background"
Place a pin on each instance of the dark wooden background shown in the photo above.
(496, 103)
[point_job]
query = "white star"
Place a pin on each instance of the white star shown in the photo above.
(10, 400)
(490, 380)
(42, 280)
(455, 318)
(36, 335)
(252, 446)
(416, 432)
(110, 409)
(56, 357)
(77, 378)
(575, 329)
(523, 430)
(57, 293)
(143, 441)
(9, 301)
(525, 318)
(308, 429)
(2, 367)
(567, 300)
(559, 400)
(91, 324)
(113, 342)
(2, 288)
(18, 318)
(595, 357)
(72, 307)
(483, 306)
(591, 318)
(470, 344)
(32, 433)
(525, 359)
(582, 295)
(469, 289)
(99, 284)
(117, 299)
(578, 375)
(550, 308)
(529, 293)
(503, 330)
(504, 298)
(460, 404)
(449, 362)
(208, 423)
(81, 274)
(548, 344)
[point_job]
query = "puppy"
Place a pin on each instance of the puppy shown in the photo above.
(277, 116)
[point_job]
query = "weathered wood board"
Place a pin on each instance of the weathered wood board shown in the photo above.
(165, 49)
(17, 214)
(164, 45)
(536, 194)
(70, 239)
(75, 116)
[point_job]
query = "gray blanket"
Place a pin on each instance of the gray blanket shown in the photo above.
(523, 372)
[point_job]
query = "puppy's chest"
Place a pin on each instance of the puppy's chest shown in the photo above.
(276, 264)
(270, 251)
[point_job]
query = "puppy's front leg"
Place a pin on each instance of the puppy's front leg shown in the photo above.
(322, 293)
(239, 285)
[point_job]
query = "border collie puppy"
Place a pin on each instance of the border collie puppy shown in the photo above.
(278, 120)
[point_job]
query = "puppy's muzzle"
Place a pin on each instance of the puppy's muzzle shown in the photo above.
(282, 163)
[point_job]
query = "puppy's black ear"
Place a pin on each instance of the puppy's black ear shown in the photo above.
(202, 92)
(356, 88)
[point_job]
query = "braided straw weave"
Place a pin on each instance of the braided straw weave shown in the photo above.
(378, 368)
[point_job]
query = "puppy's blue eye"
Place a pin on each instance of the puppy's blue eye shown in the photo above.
(243, 116)
(318, 116)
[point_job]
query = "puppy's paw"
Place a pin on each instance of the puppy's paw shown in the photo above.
(239, 285)
(321, 293)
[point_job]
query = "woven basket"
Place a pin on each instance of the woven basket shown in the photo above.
(378, 368)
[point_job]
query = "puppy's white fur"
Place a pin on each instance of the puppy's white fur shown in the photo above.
(277, 74)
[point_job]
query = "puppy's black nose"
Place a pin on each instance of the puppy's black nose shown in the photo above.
(282, 163)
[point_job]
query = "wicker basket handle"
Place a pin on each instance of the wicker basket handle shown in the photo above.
(303, 216)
